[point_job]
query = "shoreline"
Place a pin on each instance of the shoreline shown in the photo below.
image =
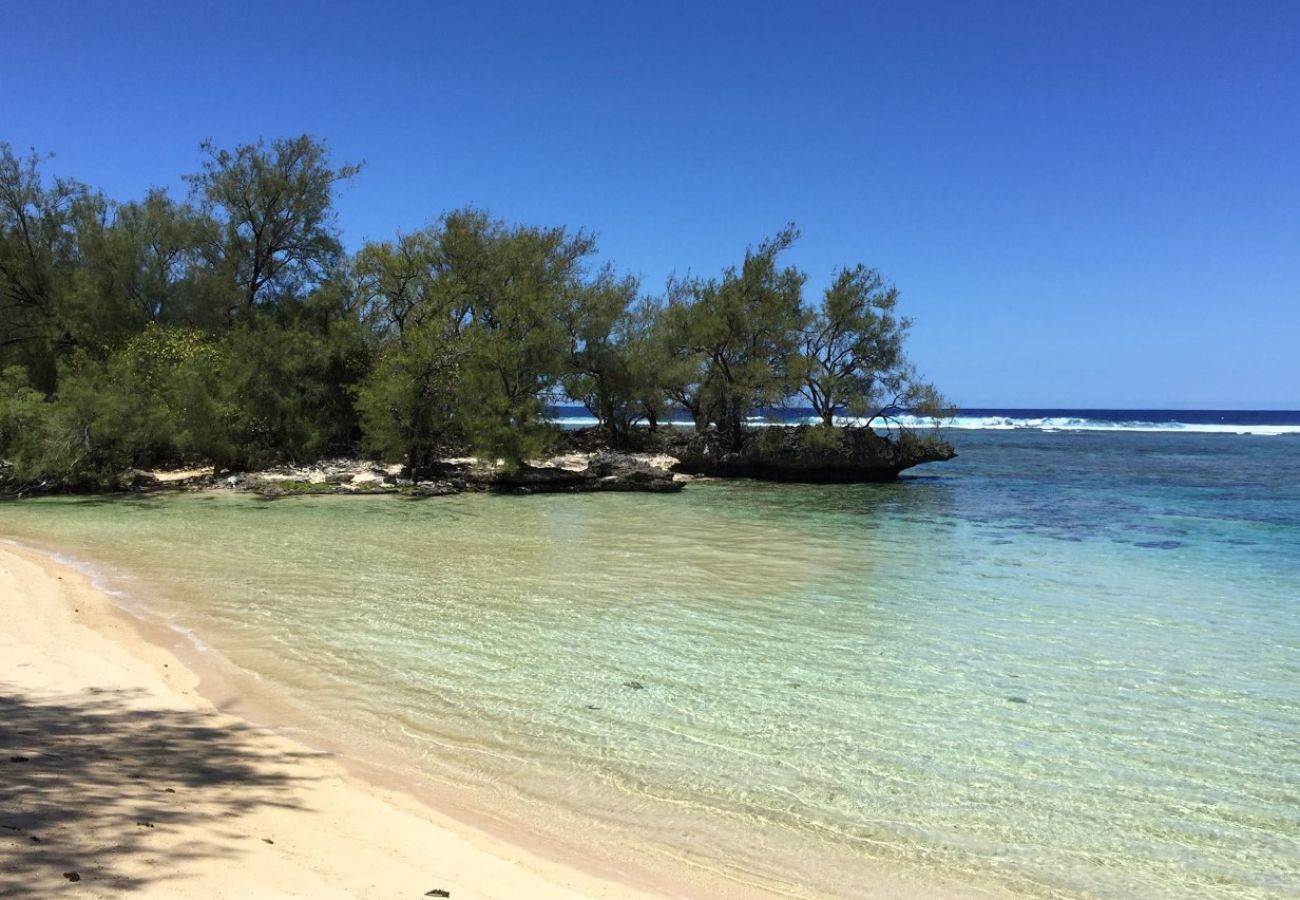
(211, 804)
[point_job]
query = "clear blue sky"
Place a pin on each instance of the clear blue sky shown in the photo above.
(1084, 204)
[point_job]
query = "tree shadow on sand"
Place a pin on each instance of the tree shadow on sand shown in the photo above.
(87, 782)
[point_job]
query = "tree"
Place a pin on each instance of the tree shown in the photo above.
(276, 237)
(503, 295)
(648, 360)
(152, 254)
(141, 406)
(733, 338)
(23, 410)
(397, 280)
(852, 357)
(288, 384)
(38, 259)
(507, 290)
(609, 337)
(409, 403)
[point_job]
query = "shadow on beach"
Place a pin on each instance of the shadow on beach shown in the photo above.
(93, 781)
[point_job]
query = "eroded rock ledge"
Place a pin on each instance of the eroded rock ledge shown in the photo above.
(809, 453)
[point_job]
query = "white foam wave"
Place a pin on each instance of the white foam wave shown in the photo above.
(1011, 423)
(1064, 423)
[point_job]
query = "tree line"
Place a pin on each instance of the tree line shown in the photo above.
(230, 327)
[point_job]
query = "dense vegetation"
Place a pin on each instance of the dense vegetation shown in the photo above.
(230, 327)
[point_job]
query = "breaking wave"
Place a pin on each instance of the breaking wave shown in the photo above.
(1190, 421)
(1080, 423)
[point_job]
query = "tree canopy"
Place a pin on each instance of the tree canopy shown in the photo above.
(231, 327)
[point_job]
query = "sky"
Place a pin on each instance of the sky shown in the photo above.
(1083, 204)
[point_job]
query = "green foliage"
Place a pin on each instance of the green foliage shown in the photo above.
(399, 282)
(143, 406)
(614, 359)
(409, 404)
(230, 328)
(504, 294)
(23, 411)
(275, 238)
(285, 393)
(819, 442)
(150, 258)
(732, 338)
(39, 262)
(852, 356)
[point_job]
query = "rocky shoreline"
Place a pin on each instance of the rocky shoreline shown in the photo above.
(664, 462)
(570, 473)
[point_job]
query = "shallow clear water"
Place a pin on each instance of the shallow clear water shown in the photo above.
(1061, 665)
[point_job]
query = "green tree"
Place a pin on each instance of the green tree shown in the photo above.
(508, 289)
(732, 338)
(852, 357)
(608, 372)
(109, 414)
(276, 237)
(38, 260)
(409, 403)
(399, 281)
(289, 386)
(152, 258)
(23, 412)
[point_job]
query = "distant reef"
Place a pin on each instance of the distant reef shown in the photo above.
(653, 462)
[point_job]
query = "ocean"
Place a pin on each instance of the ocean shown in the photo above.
(1065, 664)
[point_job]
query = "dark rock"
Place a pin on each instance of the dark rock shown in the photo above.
(808, 453)
(339, 478)
(437, 892)
(606, 474)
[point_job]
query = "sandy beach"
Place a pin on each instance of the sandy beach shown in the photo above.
(116, 777)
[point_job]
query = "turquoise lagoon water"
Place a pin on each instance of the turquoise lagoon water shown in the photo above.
(1062, 665)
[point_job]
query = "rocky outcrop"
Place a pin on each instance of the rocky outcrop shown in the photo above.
(571, 473)
(604, 471)
(668, 458)
(810, 453)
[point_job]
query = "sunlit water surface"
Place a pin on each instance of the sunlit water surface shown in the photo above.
(1060, 665)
